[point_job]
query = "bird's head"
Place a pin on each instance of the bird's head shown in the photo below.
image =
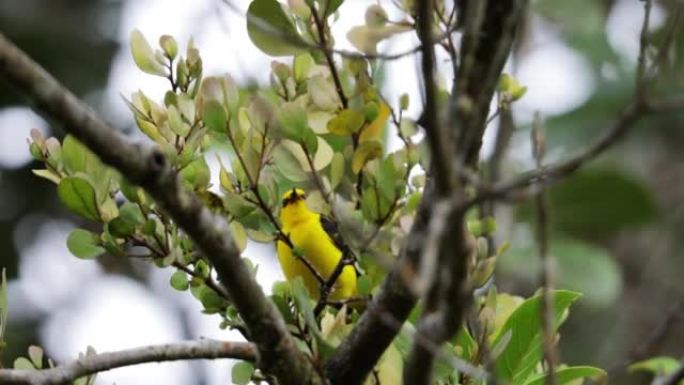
(293, 196)
(294, 209)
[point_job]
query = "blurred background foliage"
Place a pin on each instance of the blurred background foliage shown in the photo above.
(617, 224)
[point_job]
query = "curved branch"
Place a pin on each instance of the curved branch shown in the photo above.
(87, 365)
(148, 168)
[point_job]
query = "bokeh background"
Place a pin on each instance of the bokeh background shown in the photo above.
(618, 225)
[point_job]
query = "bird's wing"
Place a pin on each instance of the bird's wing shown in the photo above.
(333, 232)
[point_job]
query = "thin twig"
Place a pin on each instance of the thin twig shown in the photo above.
(641, 60)
(542, 206)
(90, 364)
(323, 46)
(651, 344)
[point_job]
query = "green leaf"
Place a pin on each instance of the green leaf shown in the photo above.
(214, 116)
(288, 165)
(84, 244)
(271, 30)
(331, 6)
(241, 373)
(523, 352)
(79, 196)
(238, 206)
(196, 174)
(336, 169)
(303, 302)
(179, 281)
(465, 344)
(387, 178)
(598, 203)
(144, 56)
(303, 63)
(130, 217)
(294, 122)
(347, 122)
(150, 227)
(582, 266)
(4, 304)
(212, 302)
(659, 366)
(76, 156)
(364, 285)
(567, 375)
(178, 126)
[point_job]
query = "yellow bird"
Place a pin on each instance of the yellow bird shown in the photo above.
(315, 238)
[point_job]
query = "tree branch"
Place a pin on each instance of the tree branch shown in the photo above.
(642, 105)
(517, 188)
(148, 167)
(90, 364)
(359, 352)
(547, 276)
(484, 52)
(356, 356)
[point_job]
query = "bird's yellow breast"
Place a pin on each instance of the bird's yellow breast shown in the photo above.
(315, 245)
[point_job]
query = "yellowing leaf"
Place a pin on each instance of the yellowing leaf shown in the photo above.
(239, 235)
(347, 122)
(374, 128)
(367, 151)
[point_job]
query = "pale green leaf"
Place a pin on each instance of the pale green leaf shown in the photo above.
(23, 363)
(36, 355)
(47, 174)
(660, 366)
(570, 374)
(144, 56)
(323, 93)
(84, 244)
